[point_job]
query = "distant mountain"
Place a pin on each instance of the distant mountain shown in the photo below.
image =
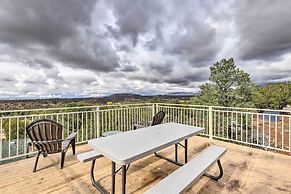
(181, 94)
(70, 102)
(130, 95)
(123, 95)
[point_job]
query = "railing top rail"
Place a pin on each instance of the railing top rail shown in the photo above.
(192, 105)
(48, 109)
(45, 114)
(223, 107)
(251, 113)
(252, 109)
(142, 104)
(125, 105)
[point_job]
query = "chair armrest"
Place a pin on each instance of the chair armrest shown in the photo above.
(68, 140)
(71, 136)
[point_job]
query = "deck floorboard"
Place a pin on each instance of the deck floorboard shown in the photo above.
(246, 170)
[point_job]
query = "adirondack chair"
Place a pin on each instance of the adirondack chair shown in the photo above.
(46, 136)
(157, 119)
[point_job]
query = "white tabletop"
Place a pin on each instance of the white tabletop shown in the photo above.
(130, 146)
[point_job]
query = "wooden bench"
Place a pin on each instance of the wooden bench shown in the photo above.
(88, 156)
(182, 179)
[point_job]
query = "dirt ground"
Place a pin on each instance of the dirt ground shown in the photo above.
(246, 170)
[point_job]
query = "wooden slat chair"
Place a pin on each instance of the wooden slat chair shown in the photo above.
(157, 119)
(46, 136)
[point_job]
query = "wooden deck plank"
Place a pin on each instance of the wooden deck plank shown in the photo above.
(246, 170)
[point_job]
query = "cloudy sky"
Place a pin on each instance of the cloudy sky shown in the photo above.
(74, 48)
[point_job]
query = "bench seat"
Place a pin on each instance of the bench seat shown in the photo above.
(182, 179)
(89, 156)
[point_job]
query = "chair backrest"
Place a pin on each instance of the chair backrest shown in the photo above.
(46, 135)
(158, 118)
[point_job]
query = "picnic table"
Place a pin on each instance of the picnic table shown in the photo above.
(130, 146)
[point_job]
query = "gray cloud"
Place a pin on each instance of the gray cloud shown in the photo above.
(200, 75)
(175, 29)
(88, 53)
(6, 79)
(136, 17)
(277, 76)
(113, 31)
(38, 63)
(272, 74)
(47, 22)
(162, 69)
(181, 78)
(89, 47)
(264, 29)
(197, 43)
(56, 30)
(146, 78)
(129, 68)
(80, 79)
(185, 34)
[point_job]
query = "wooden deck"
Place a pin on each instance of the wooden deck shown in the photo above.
(246, 170)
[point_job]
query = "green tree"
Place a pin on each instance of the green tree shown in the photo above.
(228, 86)
(273, 96)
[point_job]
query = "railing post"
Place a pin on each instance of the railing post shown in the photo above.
(153, 110)
(0, 148)
(1, 137)
(210, 122)
(98, 122)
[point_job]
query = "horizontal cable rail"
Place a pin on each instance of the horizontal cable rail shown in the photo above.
(263, 128)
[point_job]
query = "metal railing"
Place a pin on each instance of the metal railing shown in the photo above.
(89, 122)
(264, 128)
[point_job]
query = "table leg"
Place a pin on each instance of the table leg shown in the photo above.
(113, 178)
(124, 179)
(168, 159)
(93, 180)
(176, 152)
(186, 150)
(185, 146)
